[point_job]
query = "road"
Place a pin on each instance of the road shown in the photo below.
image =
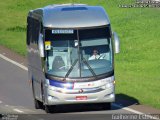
(16, 98)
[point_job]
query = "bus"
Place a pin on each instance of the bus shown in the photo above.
(71, 55)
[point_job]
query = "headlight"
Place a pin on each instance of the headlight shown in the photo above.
(47, 82)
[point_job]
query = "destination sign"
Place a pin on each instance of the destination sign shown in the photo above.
(62, 31)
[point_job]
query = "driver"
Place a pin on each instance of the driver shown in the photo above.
(94, 55)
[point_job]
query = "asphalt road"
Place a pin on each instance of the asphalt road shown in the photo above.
(16, 98)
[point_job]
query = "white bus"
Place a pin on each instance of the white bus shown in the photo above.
(71, 56)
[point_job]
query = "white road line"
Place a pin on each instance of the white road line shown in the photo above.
(115, 105)
(0, 102)
(13, 62)
(17, 110)
(126, 108)
(134, 111)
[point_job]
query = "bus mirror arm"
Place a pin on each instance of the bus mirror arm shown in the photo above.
(116, 42)
(41, 45)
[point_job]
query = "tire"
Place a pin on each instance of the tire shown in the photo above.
(48, 108)
(106, 106)
(37, 104)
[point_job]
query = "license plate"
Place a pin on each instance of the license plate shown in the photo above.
(81, 97)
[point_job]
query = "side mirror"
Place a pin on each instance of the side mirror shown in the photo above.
(41, 45)
(116, 42)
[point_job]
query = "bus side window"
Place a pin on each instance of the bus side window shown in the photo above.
(29, 30)
(36, 30)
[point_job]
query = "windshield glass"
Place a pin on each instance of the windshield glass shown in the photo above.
(78, 53)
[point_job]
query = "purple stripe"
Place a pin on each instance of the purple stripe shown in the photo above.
(61, 84)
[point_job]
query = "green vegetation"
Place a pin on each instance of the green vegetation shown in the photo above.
(138, 64)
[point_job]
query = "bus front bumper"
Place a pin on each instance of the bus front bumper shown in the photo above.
(57, 98)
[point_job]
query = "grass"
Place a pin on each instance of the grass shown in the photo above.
(138, 64)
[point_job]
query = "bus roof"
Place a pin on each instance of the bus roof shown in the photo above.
(72, 16)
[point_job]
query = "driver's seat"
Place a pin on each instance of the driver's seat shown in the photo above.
(57, 63)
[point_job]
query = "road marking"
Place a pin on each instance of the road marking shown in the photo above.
(13, 62)
(115, 105)
(134, 111)
(17, 110)
(0, 102)
(126, 108)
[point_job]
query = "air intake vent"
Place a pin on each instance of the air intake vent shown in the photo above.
(74, 8)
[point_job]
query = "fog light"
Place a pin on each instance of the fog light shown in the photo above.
(109, 95)
(50, 98)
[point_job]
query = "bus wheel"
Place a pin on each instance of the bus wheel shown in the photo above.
(37, 104)
(48, 108)
(106, 106)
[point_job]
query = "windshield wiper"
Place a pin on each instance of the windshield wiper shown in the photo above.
(70, 70)
(92, 71)
(84, 60)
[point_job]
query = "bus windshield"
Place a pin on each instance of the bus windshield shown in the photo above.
(78, 53)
